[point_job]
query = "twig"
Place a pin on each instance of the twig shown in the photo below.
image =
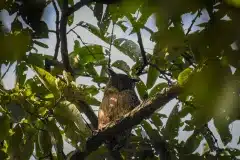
(188, 59)
(63, 37)
(111, 43)
(57, 30)
(162, 72)
(143, 53)
(193, 21)
(4, 74)
(78, 36)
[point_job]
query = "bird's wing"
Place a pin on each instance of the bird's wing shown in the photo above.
(106, 112)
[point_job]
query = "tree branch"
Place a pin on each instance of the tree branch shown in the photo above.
(63, 37)
(57, 30)
(131, 119)
(143, 53)
(193, 21)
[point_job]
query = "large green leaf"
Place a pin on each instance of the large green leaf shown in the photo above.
(47, 79)
(69, 111)
(87, 54)
(128, 47)
(122, 65)
(56, 138)
(44, 142)
(15, 143)
(192, 143)
(20, 41)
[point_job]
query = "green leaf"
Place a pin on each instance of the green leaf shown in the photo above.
(28, 148)
(87, 54)
(153, 74)
(21, 69)
(20, 41)
(235, 3)
(100, 79)
(192, 143)
(91, 28)
(44, 141)
(47, 80)
(157, 89)
(17, 112)
(92, 101)
(69, 111)
(44, 31)
(172, 125)
(122, 26)
(222, 125)
(98, 11)
(3, 155)
(73, 133)
(156, 118)
(70, 19)
(4, 126)
(122, 65)
(128, 47)
(142, 90)
(56, 138)
(40, 44)
(15, 142)
(183, 76)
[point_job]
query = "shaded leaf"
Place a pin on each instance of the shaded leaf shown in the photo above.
(40, 44)
(122, 65)
(142, 90)
(44, 141)
(69, 111)
(153, 74)
(4, 126)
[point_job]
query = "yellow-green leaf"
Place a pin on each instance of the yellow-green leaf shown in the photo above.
(183, 76)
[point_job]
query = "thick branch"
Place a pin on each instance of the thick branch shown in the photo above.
(63, 37)
(131, 119)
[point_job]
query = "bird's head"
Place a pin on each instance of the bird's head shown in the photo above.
(121, 81)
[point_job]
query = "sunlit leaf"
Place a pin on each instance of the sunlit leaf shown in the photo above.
(47, 79)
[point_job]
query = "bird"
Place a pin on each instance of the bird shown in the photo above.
(119, 98)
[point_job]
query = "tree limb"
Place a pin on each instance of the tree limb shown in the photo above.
(131, 119)
(63, 37)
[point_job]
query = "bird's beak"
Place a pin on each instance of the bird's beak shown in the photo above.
(135, 80)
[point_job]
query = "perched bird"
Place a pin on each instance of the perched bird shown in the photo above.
(119, 98)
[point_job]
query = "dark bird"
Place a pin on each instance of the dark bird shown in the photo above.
(119, 98)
